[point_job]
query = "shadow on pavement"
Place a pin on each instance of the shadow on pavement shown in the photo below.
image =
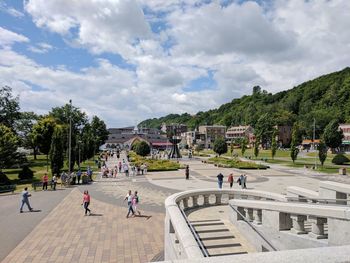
(32, 211)
(92, 214)
(145, 216)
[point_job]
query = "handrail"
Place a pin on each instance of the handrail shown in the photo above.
(293, 198)
(197, 238)
(254, 228)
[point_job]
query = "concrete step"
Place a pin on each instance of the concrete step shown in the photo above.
(221, 242)
(228, 250)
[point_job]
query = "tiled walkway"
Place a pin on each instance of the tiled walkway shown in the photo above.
(66, 235)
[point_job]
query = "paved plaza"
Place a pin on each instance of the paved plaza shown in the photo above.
(60, 232)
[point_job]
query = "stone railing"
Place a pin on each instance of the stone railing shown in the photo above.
(180, 242)
(278, 221)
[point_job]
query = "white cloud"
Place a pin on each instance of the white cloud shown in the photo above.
(8, 37)
(241, 44)
(40, 48)
(101, 26)
(10, 10)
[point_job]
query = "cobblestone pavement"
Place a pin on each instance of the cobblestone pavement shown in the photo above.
(66, 235)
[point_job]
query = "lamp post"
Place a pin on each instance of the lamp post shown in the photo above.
(70, 138)
(314, 137)
(79, 142)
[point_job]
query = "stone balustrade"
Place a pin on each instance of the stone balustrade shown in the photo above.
(281, 216)
(180, 242)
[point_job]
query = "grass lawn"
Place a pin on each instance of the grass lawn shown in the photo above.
(235, 163)
(153, 164)
(39, 168)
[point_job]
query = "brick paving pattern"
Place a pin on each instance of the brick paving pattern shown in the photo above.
(66, 235)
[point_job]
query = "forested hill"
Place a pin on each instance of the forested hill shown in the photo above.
(324, 98)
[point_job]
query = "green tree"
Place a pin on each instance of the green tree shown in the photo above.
(220, 146)
(322, 152)
(273, 145)
(24, 127)
(142, 148)
(57, 150)
(244, 143)
(256, 147)
(232, 145)
(332, 135)
(100, 132)
(9, 107)
(264, 128)
(8, 148)
(42, 135)
(294, 150)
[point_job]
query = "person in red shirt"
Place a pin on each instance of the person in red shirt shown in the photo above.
(86, 202)
(230, 179)
(45, 181)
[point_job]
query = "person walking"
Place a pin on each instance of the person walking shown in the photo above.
(245, 181)
(120, 166)
(187, 172)
(135, 201)
(45, 181)
(220, 177)
(230, 179)
(129, 198)
(25, 200)
(86, 202)
(79, 176)
(241, 181)
(126, 169)
(54, 182)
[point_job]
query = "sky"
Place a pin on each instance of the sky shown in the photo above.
(129, 60)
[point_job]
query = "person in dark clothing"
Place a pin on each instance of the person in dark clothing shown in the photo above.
(187, 172)
(220, 177)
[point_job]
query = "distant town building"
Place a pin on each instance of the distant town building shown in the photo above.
(239, 132)
(310, 144)
(346, 139)
(211, 132)
(173, 129)
(126, 137)
(284, 135)
(192, 138)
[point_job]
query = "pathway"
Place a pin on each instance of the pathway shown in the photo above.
(66, 235)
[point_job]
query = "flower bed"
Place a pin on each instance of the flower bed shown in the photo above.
(234, 163)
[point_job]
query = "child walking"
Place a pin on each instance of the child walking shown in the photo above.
(86, 202)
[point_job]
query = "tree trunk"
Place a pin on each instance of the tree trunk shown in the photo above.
(34, 152)
(47, 162)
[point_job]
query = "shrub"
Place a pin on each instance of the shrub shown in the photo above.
(4, 179)
(142, 148)
(26, 173)
(340, 159)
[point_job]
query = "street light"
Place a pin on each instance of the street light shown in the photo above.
(79, 142)
(70, 138)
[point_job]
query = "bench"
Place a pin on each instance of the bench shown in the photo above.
(40, 184)
(7, 188)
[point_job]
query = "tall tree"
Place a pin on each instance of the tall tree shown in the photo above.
(244, 143)
(273, 145)
(24, 127)
(57, 150)
(264, 129)
(42, 135)
(220, 146)
(256, 146)
(9, 107)
(333, 135)
(322, 152)
(8, 147)
(100, 132)
(294, 150)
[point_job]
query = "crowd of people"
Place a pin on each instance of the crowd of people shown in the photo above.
(241, 180)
